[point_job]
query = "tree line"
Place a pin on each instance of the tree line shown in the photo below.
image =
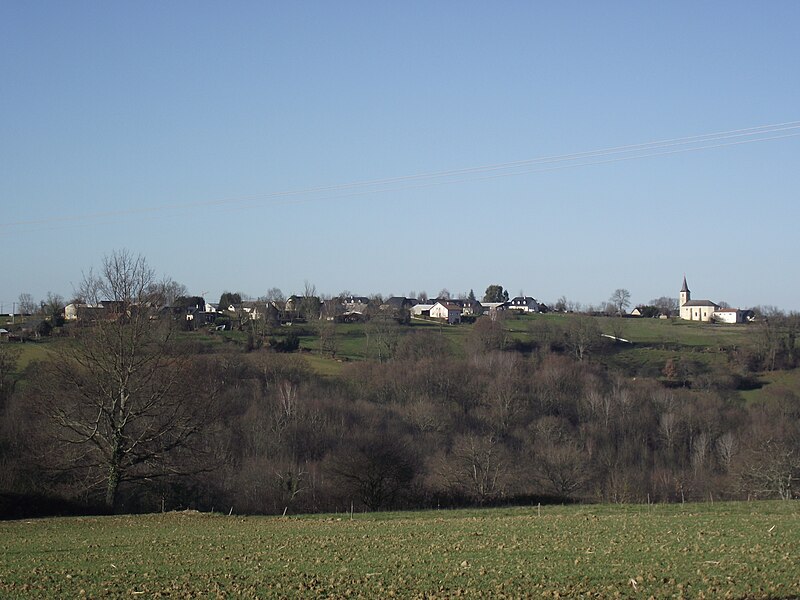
(131, 417)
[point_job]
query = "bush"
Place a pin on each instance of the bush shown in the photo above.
(288, 344)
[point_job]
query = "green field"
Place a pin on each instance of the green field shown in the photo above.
(722, 550)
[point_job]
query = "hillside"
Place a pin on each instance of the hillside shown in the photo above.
(386, 416)
(700, 348)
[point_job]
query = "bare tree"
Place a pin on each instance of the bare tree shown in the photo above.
(477, 467)
(559, 462)
(120, 400)
(53, 306)
(383, 335)
(329, 338)
(621, 299)
(770, 470)
(486, 335)
(310, 305)
(165, 292)
(581, 336)
(26, 304)
(727, 447)
(275, 295)
(668, 306)
(375, 468)
(8, 367)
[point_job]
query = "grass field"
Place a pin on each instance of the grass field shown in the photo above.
(722, 550)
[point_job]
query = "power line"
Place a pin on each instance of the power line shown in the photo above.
(462, 175)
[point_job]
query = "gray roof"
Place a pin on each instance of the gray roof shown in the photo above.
(700, 303)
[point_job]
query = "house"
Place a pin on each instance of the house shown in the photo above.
(493, 308)
(351, 309)
(651, 312)
(355, 303)
(446, 311)
(421, 310)
(303, 307)
(398, 303)
(525, 304)
(472, 308)
(105, 311)
(332, 309)
(71, 311)
(728, 315)
(252, 309)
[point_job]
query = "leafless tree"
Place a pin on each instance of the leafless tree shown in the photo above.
(53, 306)
(668, 306)
(771, 469)
(581, 336)
(477, 467)
(727, 447)
(275, 295)
(559, 462)
(383, 335)
(621, 299)
(165, 292)
(8, 367)
(487, 335)
(26, 304)
(310, 304)
(329, 338)
(120, 402)
(376, 469)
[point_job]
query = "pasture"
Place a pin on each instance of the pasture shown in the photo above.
(722, 550)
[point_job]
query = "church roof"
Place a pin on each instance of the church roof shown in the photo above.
(701, 303)
(685, 288)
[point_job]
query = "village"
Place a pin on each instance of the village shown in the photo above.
(233, 312)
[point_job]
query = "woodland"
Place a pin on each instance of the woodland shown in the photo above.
(136, 414)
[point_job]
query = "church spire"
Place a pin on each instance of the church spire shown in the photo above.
(685, 295)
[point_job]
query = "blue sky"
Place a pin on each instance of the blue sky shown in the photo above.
(192, 132)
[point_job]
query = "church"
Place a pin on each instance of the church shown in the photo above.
(705, 311)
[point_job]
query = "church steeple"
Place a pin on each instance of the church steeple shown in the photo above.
(685, 294)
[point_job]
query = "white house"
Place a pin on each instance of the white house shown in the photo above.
(447, 311)
(526, 304)
(252, 310)
(421, 310)
(728, 315)
(493, 306)
(71, 311)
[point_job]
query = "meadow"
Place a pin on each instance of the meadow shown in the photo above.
(721, 550)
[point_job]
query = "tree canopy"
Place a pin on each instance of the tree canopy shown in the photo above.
(495, 293)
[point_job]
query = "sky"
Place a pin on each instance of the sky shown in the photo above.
(391, 148)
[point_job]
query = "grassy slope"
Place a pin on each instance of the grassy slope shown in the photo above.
(713, 550)
(654, 342)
